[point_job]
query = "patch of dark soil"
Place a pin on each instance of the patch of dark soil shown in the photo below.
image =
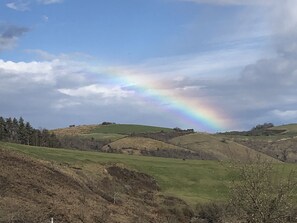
(4, 185)
(133, 179)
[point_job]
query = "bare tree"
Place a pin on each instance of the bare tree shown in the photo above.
(262, 194)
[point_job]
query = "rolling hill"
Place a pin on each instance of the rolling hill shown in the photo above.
(90, 186)
(110, 132)
(278, 142)
(48, 183)
(216, 147)
(162, 142)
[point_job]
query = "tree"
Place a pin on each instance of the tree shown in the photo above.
(29, 131)
(262, 194)
(14, 130)
(2, 128)
(22, 132)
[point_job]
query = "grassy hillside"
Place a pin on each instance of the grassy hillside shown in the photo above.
(216, 147)
(110, 132)
(70, 185)
(124, 129)
(191, 146)
(136, 144)
(34, 190)
(280, 145)
(191, 180)
(291, 129)
(127, 129)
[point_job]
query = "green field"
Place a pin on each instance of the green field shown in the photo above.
(112, 131)
(192, 180)
(127, 129)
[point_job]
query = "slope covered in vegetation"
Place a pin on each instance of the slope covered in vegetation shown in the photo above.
(34, 190)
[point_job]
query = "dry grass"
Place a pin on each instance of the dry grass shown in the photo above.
(217, 147)
(77, 130)
(139, 143)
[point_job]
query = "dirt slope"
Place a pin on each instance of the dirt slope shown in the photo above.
(34, 191)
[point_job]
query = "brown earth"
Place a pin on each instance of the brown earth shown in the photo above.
(32, 190)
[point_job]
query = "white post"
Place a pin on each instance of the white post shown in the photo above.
(52, 220)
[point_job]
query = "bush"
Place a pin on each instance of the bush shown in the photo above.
(262, 194)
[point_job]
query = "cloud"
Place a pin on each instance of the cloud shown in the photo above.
(265, 91)
(285, 114)
(45, 18)
(9, 35)
(48, 2)
(19, 5)
(249, 85)
(24, 5)
(94, 90)
(61, 91)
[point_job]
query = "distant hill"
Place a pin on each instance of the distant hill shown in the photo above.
(161, 142)
(216, 147)
(289, 129)
(110, 132)
(278, 141)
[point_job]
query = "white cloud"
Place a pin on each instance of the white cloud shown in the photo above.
(286, 115)
(97, 90)
(250, 85)
(24, 5)
(48, 2)
(19, 5)
(45, 18)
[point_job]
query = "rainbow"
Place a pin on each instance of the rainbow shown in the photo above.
(195, 112)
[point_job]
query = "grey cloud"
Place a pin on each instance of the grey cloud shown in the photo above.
(9, 35)
(13, 31)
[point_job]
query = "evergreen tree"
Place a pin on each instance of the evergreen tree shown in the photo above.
(8, 129)
(2, 128)
(19, 131)
(22, 132)
(30, 132)
(14, 130)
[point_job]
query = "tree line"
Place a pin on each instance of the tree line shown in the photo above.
(18, 131)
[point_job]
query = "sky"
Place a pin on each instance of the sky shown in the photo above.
(210, 65)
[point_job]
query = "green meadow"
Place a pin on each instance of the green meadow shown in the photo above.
(192, 180)
(127, 129)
